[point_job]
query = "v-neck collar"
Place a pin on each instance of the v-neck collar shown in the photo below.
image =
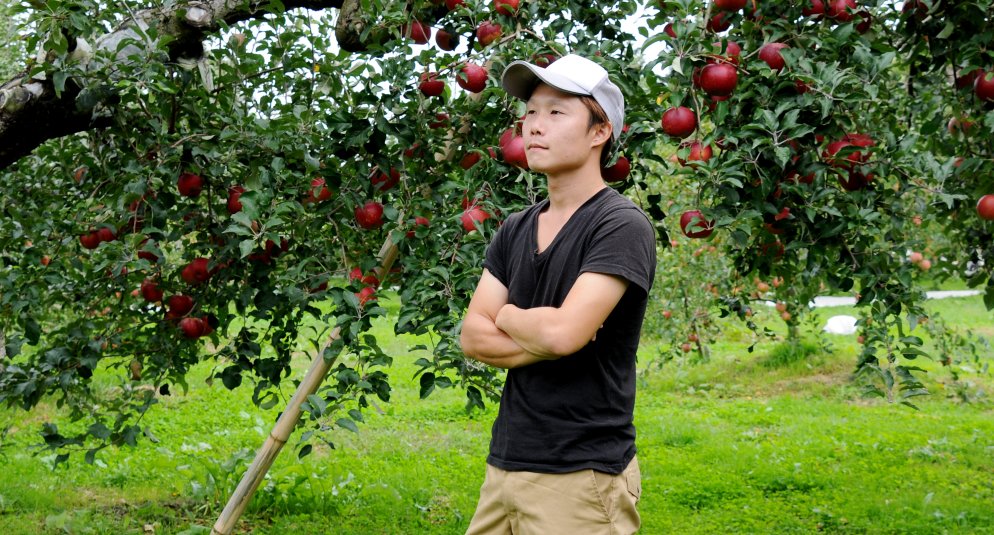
(543, 206)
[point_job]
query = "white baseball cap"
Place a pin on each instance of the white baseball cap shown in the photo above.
(571, 74)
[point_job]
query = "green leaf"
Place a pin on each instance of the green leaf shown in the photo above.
(59, 82)
(317, 403)
(427, 384)
(347, 424)
(947, 30)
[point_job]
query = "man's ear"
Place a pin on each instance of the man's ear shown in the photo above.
(602, 133)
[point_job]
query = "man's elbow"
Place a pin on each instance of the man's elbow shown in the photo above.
(564, 342)
(468, 347)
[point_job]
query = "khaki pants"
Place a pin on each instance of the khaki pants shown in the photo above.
(578, 503)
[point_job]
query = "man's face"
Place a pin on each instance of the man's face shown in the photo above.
(556, 129)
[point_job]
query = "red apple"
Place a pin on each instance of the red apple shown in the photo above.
(668, 30)
(192, 328)
(105, 234)
(855, 180)
(965, 80)
(472, 78)
(196, 271)
(857, 140)
(365, 295)
(147, 255)
(698, 152)
(719, 79)
(985, 207)
(453, 4)
(801, 86)
(370, 279)
(151, 291)
(430, 85)
(506, 7)
(472, 216)
(469, 159)
(983, 86)
(369, 215)
(729, 5)
(445, 40)
(319, 191)
(514, 152)
(719, 22)
(679, 122)
(381, 181)
(617, 172)
(770, 53)
(840, 10)
(488, 32)
(90, 240)
(693, 224)
(234, 196)
(418, 31)
(814, 8)
(190, 185)
(866, 20)
(179, 305)
(441, 121)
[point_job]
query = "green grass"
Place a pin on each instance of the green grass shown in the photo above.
(777, 441)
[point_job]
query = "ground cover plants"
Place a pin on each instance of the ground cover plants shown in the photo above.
(743, 443)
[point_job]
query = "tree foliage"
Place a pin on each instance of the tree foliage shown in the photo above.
(248, 172)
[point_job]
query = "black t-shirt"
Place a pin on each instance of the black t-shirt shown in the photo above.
(576, 412)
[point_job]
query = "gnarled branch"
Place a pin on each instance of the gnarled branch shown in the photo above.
(31, 111)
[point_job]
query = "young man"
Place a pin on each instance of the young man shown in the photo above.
(560, 305)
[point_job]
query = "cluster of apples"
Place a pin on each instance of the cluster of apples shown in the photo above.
(471, 76)
(718, 79)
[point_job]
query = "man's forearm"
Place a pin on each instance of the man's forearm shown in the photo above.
(534, 329)
(481, 340)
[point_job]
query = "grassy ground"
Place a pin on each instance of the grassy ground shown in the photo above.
(746, 443)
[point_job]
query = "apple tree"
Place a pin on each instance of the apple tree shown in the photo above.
(227, 182)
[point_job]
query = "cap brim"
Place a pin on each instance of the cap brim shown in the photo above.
(521, 77)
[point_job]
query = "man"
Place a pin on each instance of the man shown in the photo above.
(560, 305)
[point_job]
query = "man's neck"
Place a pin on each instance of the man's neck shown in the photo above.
(568, 192)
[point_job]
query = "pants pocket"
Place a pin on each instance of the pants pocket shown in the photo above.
(633, 479)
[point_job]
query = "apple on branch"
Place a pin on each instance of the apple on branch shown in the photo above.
(430, 85)
(472, 78)
(719, 79)
(370, 215)
(679, 122)
(190, 185)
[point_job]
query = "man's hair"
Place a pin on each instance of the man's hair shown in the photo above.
(597, 117)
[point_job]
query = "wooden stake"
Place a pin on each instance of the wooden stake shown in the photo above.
(288, 420)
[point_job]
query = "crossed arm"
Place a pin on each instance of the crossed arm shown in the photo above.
(505, 336)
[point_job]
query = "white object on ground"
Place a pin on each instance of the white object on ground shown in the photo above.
(840, 325)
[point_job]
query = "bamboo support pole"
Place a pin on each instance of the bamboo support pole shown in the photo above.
(287, 421)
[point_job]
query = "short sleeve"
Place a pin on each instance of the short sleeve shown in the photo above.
(623, 244)
(495, 259)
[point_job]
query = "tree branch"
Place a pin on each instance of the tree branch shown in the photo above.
(31, 112)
